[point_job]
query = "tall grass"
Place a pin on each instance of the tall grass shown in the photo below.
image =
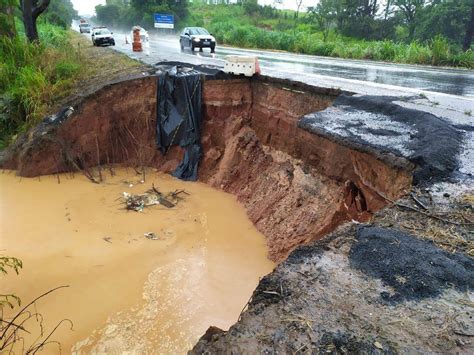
(33, 77)
(440, 52)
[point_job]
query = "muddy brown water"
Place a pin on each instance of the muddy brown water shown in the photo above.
(128, 293)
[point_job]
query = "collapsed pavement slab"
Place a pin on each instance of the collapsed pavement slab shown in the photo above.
(375, 124)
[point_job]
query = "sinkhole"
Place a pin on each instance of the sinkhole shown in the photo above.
(290, 186)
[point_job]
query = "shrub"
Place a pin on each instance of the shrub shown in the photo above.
(385, 50)
(240, 36)
(416, 53)
(439, 50)
(355, 51)
(286, 41)
(322, 48)
(463, 59)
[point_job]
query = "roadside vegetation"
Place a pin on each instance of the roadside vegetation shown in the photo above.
(402, 31)
(24, 318)
(36, 77)
(321, 32)
(33, 77)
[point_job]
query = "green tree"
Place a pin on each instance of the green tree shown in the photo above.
(139, 12)
(61, 13)
(469, 30)
(410, 10)
(109, 14)
(178, 7)
(298, 6)
(31, 10)
(323, 14)
(250, 6)
(7, 17)
(446, 18)
(358, 18)
(388, 7)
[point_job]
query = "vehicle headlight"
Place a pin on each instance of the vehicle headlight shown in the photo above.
(196, 39)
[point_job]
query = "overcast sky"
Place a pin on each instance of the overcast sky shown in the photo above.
(87, 7)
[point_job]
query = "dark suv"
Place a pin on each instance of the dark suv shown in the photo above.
(197, 37)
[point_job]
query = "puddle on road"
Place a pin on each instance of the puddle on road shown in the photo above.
(127, 292)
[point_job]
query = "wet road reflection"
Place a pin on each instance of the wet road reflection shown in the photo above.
(443, 80)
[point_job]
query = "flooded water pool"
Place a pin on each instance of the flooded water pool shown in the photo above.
(127, 293)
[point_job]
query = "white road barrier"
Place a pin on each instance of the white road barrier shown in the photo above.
(245, 65)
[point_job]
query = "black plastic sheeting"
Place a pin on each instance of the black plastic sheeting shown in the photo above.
(178, 120)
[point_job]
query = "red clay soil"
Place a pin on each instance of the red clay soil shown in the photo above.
(296, 186)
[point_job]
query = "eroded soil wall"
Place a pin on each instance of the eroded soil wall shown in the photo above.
(296, 186)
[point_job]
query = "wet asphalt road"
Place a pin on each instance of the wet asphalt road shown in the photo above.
(447, 93)
(341, 73)
(456, 82)
(449, 81)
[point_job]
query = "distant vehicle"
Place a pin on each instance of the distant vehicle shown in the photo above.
(101, 36)
(144, 37)
(197, 37)
(84, 28)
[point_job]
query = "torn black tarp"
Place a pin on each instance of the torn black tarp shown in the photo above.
(178, 120)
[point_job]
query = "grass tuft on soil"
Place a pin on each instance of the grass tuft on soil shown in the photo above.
(449, 225)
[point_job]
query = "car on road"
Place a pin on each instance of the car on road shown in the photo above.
(197, 37)
(101, 36)
(84, 28)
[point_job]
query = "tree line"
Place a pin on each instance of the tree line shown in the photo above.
(396, 20)
(57, 12)
(402, 20)
(126, 13)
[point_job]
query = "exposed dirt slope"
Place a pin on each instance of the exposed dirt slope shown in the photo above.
(296, 186)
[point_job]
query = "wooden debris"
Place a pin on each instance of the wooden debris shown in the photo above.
(151, 236)
(152, 197)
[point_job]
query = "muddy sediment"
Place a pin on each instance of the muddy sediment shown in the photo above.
(127, 291)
